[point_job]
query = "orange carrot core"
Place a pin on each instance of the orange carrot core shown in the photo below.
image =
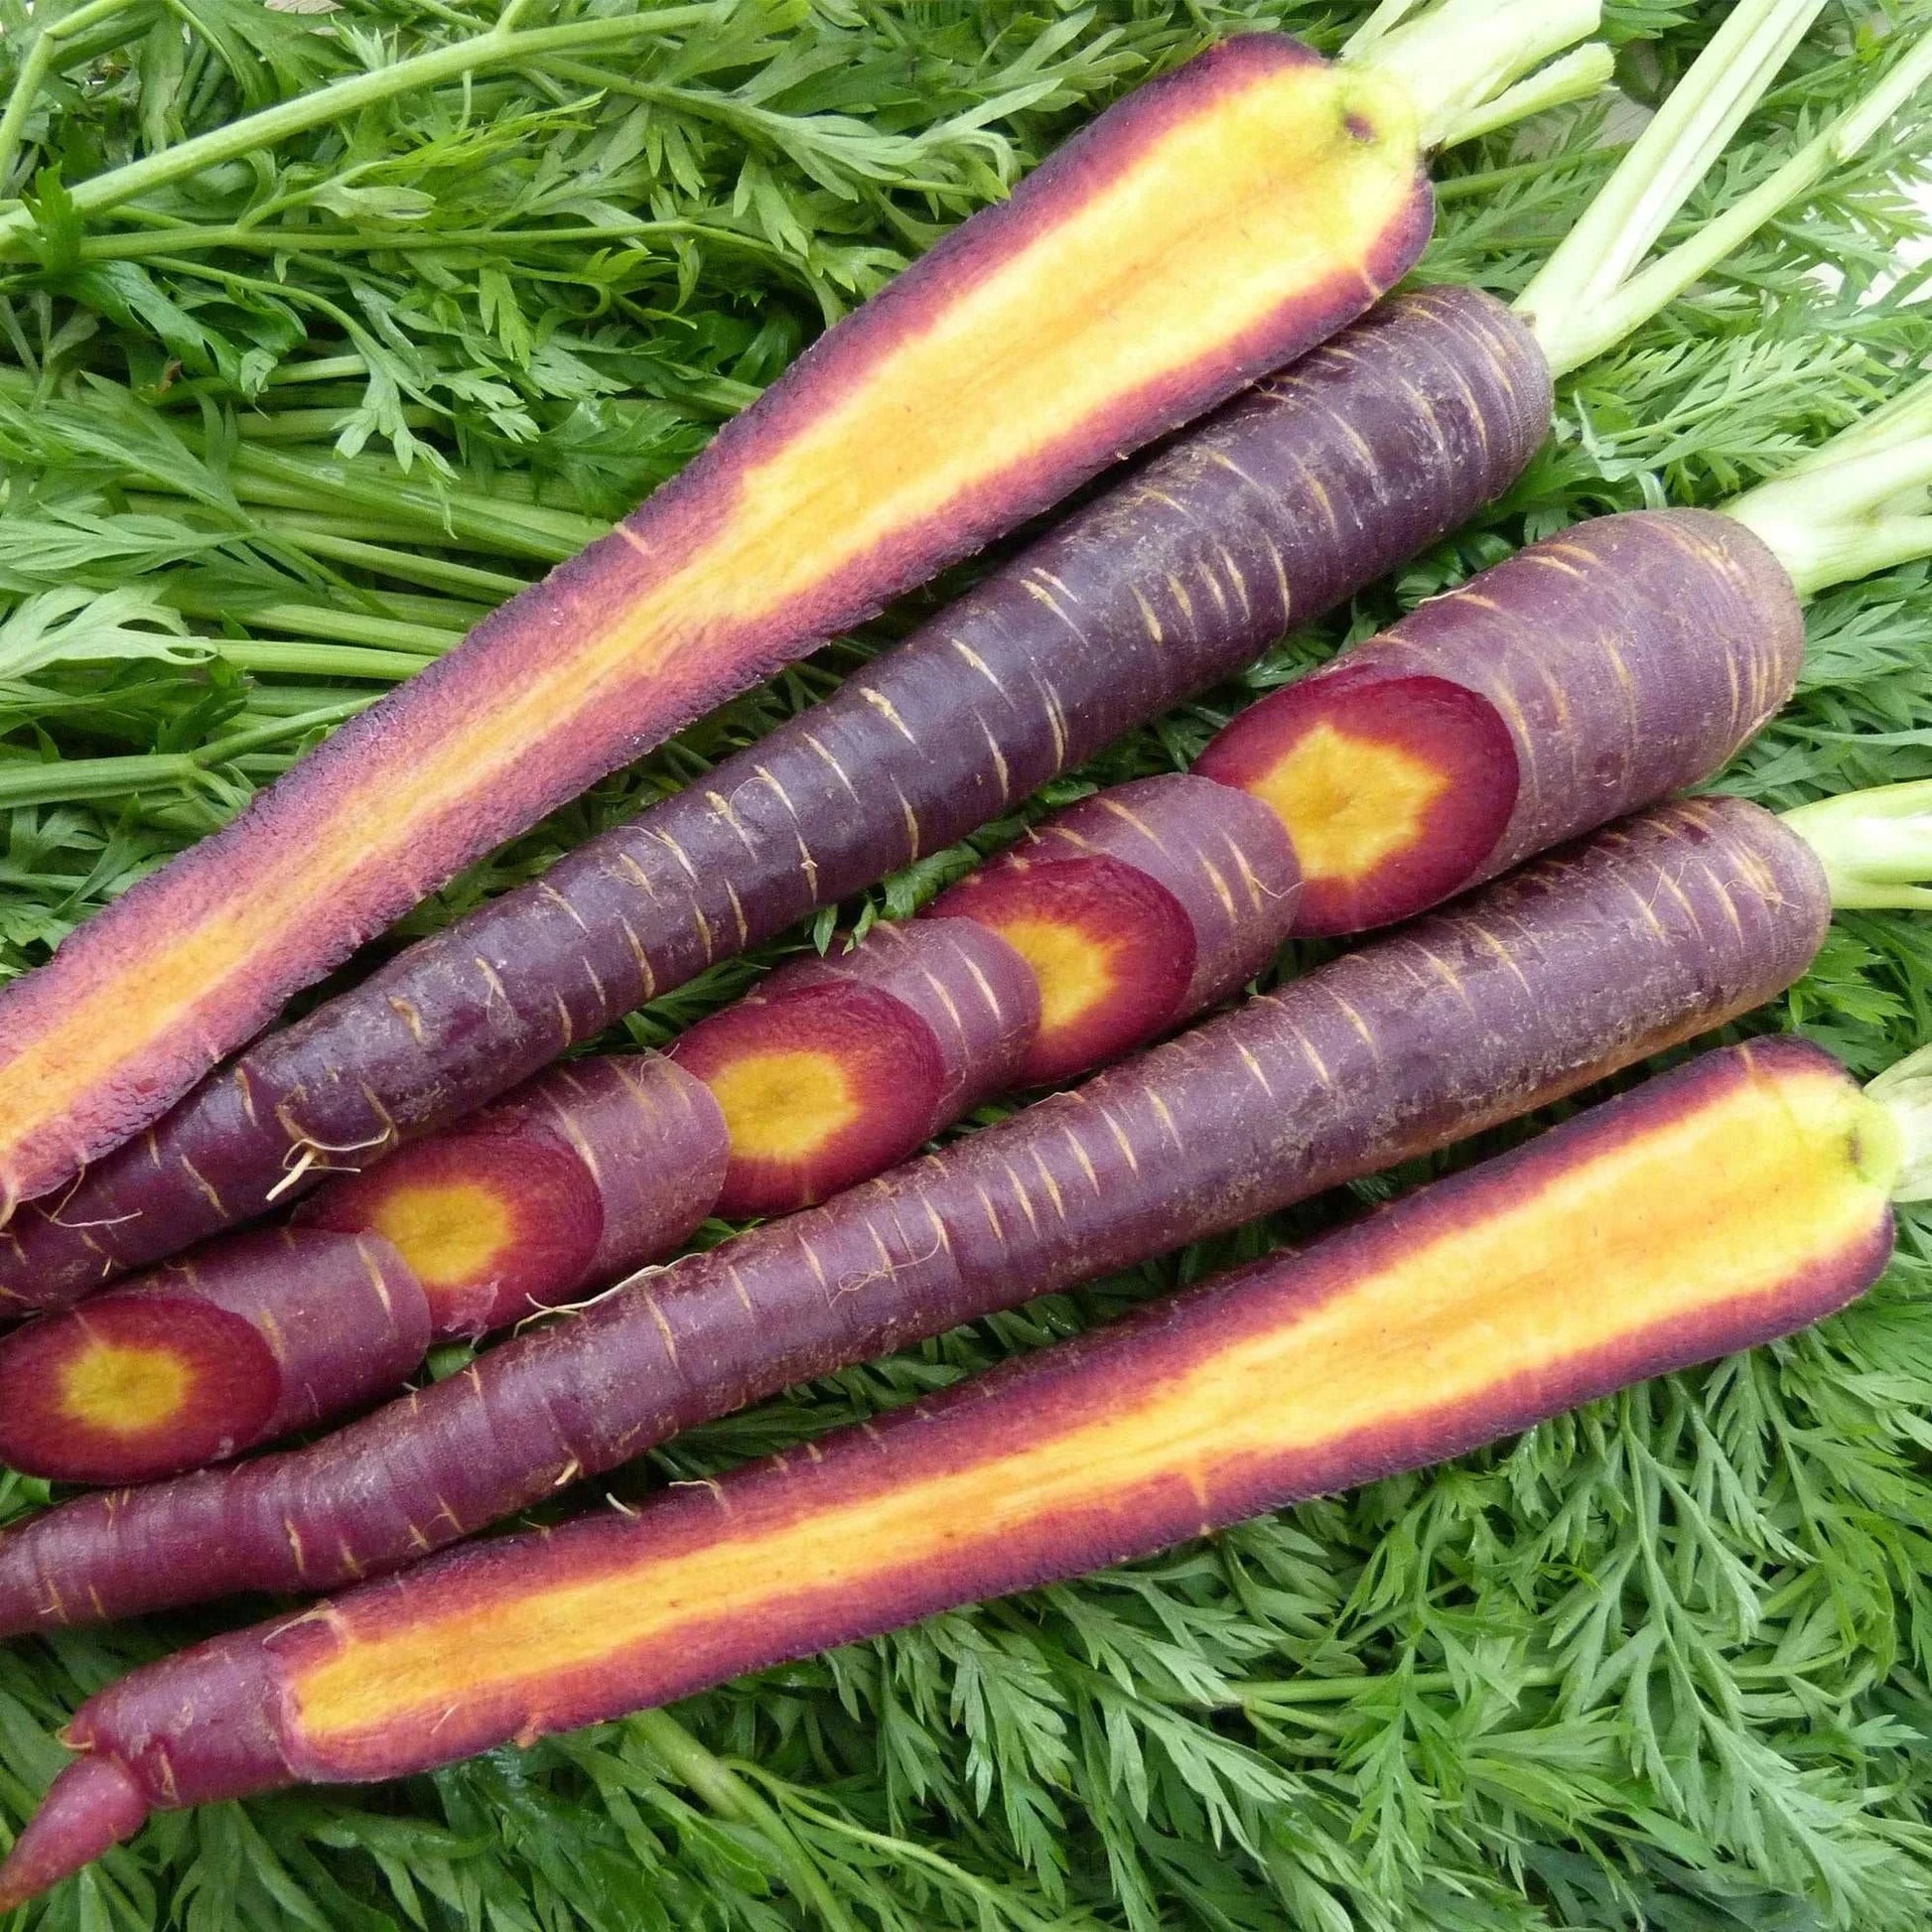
(1350, 803)
(781, 1106)
(448, 1233)
(124, 1390)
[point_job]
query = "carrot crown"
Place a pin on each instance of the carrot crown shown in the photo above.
(1875, 846)
(1595, 288)
(1904, 1092)
(1468, 66)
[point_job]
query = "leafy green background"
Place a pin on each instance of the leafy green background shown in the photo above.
(1660, 1663)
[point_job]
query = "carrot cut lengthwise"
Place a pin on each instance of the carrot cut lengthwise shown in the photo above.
(1214, 225)
(1556, 974)
(838, 1067)
(1177, 577)
(265, 1334)
(1713, 1209)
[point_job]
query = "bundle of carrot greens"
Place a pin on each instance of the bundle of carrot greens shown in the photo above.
(328, 329)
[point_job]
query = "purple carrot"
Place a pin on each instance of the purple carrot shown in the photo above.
(1582, 678)
(1136, 908)
(583, 1173)
(262, 1336)
(837, 1067)
(1579, 964)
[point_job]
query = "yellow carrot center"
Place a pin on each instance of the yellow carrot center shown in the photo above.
(448, 1233)
(125, 1391)
(1074, 969)
(1349, 802)
(1728, 1199)
(782, 1106)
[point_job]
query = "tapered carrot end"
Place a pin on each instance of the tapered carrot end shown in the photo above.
(92, 1806)
(821, 1087)
(132, 1387)
(1394, 789)
(1112, 949)
(492, 1224)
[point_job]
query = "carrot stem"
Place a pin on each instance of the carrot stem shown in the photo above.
(1463, 57)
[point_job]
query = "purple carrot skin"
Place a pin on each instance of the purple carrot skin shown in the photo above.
(1585, 676)
(1216, 223)
(261, 1336)
(1715, 1208)
(1316, 482)
(836, 1068)
(587, 1171)
(1579, 963)
(1137, 909)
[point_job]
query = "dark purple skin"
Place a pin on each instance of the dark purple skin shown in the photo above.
(1579, 964)
(1629, 657)
(1223, 855)
(333, 1322)
(654, 1144)
(977, 997)
(1292, 498)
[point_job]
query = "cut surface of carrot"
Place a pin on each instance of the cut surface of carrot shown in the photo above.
(485, 1220)
(1392, 789)
(820, 1087)
(264, 1333)
(1110, 948)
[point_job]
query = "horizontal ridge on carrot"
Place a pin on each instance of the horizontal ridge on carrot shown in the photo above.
(1215, 224)
(1715, 1208)
(1579, 963)
(264, 1334)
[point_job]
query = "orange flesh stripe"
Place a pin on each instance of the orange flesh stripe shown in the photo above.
(125, 1391)
(781, 1106)
(1350, 803)
(1125, 290)
(1719, 1203)
(448, 1233)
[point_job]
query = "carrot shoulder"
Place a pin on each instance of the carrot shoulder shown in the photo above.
(1208, 228)
(1715, 1208)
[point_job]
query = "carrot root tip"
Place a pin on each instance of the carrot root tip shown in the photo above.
(92, 1806)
